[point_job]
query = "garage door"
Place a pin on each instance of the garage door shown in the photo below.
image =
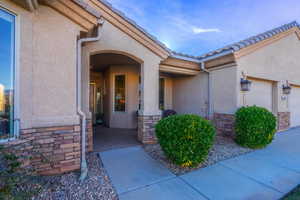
(295, 106)
(260, 94)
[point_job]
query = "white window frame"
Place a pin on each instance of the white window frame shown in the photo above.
(114, 94)
(16, 76)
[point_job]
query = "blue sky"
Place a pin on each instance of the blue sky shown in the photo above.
(198, 26)
(5, 50)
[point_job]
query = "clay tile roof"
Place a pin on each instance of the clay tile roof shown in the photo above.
(252, 40)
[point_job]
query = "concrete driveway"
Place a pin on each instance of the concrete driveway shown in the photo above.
(264, 174)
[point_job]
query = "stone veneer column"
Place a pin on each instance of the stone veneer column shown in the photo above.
(149, 113)
(283, 120)
(89, 135)
(146, 128)
(224, 124)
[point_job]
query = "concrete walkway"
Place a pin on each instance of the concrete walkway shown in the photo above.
(264, 174)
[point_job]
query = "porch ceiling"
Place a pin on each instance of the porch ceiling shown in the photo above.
(100, 62)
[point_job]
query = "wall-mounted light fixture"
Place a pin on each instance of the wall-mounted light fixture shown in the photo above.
(245, 83)
(286, 88)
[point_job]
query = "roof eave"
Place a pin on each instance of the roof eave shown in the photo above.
(29, 5)
(217, 55)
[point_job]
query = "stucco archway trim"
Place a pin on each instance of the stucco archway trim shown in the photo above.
(140, 61)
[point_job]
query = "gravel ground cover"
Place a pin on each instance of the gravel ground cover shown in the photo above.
(67, 187)
(223, 148)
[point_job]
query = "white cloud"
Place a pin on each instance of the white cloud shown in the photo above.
(197, 30)
(189, 28)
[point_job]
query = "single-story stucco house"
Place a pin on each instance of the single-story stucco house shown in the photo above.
(66, 64)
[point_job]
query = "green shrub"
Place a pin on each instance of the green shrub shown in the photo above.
(185, 139)
(16, 182)
(255, 127)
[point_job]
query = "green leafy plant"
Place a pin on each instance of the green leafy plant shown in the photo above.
(293, 195)
(254, 127)
(16, 182)
(185, 139)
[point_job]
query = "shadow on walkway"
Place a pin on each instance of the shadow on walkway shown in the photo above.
(112, 138)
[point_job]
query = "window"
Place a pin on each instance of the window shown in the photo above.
(161, 93)
(120, 99)
(7, 68)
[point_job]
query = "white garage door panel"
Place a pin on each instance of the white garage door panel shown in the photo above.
(295, 106)
(260, 95)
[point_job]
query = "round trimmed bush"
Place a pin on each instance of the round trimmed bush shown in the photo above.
(185, 139)
(254, 127)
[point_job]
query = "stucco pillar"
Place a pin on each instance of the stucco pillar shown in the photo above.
(149, 114)
(85, 82)
(226, 99)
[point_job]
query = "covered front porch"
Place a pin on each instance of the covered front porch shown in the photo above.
(127, 85)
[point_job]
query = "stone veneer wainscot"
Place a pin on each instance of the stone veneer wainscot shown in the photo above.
(146, 128)
(51, 150)
(283, 120)
(224, 124)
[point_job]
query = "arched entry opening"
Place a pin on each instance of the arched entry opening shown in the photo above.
(114, 99)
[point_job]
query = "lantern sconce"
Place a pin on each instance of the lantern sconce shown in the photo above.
(245, 83)
(286, 88)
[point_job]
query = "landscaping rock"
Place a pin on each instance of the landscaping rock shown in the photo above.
(223, 149)
(67, 187)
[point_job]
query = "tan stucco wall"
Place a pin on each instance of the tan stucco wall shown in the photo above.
(47, 57)
(115, 41)
(261, 94)
(278, 62)
(224, 90)
(190, 94)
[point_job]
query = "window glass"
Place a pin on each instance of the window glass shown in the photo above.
(7, 43)
(161, 93)
(120, 100)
